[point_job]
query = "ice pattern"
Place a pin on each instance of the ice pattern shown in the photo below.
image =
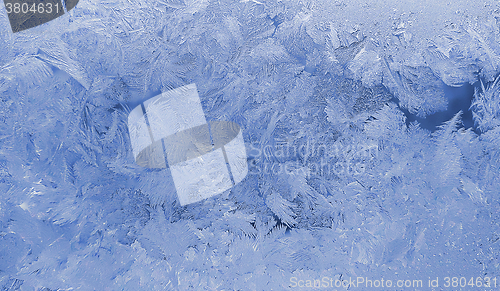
(360, 162)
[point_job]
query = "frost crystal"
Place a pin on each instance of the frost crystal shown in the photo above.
(359, 163)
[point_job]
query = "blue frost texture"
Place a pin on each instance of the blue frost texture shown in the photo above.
(371, 128)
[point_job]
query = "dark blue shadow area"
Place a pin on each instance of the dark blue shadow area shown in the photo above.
(459, 98)
(137, 98)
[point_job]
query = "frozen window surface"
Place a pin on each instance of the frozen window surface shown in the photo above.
(371, 132)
